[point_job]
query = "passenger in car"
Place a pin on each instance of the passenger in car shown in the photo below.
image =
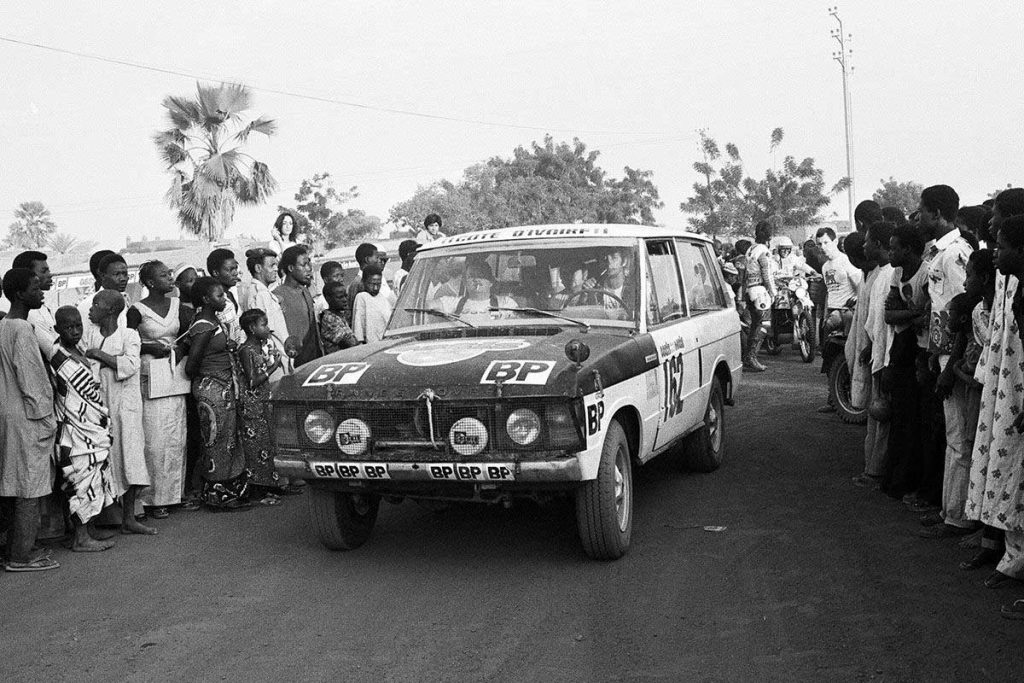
(479, 299)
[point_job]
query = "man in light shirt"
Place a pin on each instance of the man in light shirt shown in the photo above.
(42, 317)
(262, 265)
(947, 273)
(841, 279)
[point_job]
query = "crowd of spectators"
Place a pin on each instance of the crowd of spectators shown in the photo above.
(933, 316)
(138, 409)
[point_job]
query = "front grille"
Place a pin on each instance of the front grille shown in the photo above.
(407, 426)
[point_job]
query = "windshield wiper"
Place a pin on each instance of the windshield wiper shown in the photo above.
(540, 311)
(441, 314)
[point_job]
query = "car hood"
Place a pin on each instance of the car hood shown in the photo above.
(524, 362)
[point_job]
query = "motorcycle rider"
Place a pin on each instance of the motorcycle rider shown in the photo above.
(788, 263)
(760, 285)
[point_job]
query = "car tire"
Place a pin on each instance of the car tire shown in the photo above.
(839, 393)
(704, 449)
(604, 506)
(342, 521)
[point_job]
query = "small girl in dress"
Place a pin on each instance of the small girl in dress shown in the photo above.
(259, 359)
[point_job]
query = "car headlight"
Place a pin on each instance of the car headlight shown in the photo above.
(562, 430)
(319, 426)
(468, 436)
(353, 436)
(523, 426)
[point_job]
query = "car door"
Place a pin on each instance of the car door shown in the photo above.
(668, 324)
(711, 320)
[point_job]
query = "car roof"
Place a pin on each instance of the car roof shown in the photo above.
(561, 231)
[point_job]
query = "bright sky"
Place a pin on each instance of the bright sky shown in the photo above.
(935, 93)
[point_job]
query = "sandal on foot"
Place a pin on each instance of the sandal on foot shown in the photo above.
(38, 565)
(981, 559)
(190, 505)
(269, 500)
(997, 579)
(1015, 610)
(158, 512)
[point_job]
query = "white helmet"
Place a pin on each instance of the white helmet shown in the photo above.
(783, 242)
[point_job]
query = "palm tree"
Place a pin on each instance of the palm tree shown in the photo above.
(203, 150)
(32, 227)
(62, 243)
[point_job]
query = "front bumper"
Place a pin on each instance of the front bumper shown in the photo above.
(566, 470)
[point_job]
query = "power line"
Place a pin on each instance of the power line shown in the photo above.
(318, 98)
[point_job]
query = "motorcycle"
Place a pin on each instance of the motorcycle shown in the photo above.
(793, 313)
(837, 370)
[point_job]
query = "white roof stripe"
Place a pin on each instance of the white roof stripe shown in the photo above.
(563, 231)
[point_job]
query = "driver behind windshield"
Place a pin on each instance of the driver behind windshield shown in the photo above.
(572, 277)
(615, 280)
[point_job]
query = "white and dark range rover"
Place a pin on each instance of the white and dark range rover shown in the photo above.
(522, 362)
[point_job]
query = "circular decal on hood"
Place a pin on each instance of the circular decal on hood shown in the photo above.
(446, 351)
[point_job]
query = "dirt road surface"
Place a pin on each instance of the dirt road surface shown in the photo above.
(812, 579)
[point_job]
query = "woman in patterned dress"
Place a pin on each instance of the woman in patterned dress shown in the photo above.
(211, 365)
(996, 493)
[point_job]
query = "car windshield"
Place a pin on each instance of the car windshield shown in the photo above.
(586, 283)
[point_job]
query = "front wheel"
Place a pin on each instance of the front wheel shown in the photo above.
(343, 521)
(604, 506)
(839, 391)
(808, 347)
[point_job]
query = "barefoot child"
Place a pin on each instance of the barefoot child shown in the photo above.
(259, 359)
(114, 350)
(83, 432)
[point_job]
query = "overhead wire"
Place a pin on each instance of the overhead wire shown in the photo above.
(319, 98)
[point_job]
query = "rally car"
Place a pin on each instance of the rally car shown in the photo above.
(533, 362)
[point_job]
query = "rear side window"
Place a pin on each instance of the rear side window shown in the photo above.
(666, 302)
(703, 288)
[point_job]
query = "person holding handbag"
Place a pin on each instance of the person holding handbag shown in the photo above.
(156, 319)
(211, 365)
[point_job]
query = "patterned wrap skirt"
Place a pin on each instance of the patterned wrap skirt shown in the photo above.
(223, 461)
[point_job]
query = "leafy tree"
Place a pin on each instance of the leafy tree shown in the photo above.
(204, 153)
(993, 195)
(62, 243)
(355, 225)
(318, 209)
(729, 201)
(32, 227)
(904, 196)
(545, 183)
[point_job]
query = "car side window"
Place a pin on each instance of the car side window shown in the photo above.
(666, 301)
(703, 290)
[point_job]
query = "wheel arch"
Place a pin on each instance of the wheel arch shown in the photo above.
(724, 375)
(629, 417)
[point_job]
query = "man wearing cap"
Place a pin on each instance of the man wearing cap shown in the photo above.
(407, 252)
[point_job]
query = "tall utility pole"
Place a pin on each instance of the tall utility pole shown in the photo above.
(842, 56)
